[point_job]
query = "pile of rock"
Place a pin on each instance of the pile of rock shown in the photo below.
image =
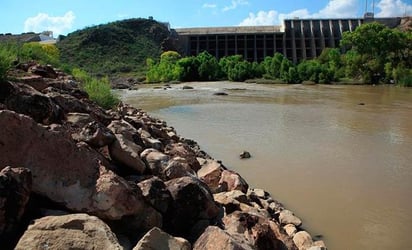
(77, 176)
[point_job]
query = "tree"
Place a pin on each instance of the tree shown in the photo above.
(208, 67)
(377, 45)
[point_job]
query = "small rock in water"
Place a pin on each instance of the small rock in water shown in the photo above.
(187, 87)
(220, 93)
(245, 155)
(361, 103)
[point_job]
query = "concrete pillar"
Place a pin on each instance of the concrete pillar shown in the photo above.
(245, 48)
(302, 40)
(322, 35)
(312, 40)
(294, 57)
(226, 46)
(332, 35)
(235, 44)
(197, 45)
(264, 46)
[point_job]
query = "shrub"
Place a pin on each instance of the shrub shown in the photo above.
(7, 56)
(99, 90)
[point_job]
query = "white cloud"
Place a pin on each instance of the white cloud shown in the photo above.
(339, 9)
(261, 18)
(393, 8)
(43, 22)
(235, 4)
(209, 6)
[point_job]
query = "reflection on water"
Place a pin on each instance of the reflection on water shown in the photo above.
(343, 167)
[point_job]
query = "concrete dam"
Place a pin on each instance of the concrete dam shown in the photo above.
(297, 39)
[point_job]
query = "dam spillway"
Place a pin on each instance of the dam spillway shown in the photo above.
(297, 39)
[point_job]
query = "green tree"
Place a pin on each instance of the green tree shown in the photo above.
(377, 45)
(209, 68)
(189, 66)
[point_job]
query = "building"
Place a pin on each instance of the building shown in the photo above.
(297, 39)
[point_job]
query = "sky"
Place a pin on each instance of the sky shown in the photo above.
(65, 16)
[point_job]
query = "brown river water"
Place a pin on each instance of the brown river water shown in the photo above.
(340, 157)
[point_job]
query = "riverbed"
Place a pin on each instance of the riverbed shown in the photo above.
(339, 156)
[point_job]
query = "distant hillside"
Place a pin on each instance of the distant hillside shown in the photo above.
(120, 47)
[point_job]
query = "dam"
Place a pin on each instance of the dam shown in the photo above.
(297, 39)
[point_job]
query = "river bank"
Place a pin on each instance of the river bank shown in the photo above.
(73, 174)
(314, 147)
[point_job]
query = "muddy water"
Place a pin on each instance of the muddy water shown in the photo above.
(340, 157)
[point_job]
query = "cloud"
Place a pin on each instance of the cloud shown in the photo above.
(209, 6)
(261, 18)
(235, 4)
(43, 22)
(338, 9)
(393, 8)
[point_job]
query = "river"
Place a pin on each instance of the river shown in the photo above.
(339, 156)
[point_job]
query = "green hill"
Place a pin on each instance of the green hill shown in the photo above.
(117, 48)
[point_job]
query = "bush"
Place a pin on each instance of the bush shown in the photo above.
(7, 56)
(99, 90)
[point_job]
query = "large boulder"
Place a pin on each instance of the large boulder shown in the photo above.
(126, 148)
(210, 173)
(178, 167)
(26, 100)
(258, 231)
(74, 231)
(183, 150)
(192, 202)
(156, 194)
(287, 217)
(70, 174)
(303, 240)
(95, 134)
(233, 181)
(159, 240)
(156, 161)
(216, 238)
(15, 188)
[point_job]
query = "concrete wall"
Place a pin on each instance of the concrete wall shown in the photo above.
(301, 38)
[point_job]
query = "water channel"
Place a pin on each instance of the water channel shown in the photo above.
(339, 156)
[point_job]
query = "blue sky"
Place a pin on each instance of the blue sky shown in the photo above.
(64, 16)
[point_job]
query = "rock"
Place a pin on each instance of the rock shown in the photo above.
(210, 173)
(73, 175)
(282, 235)
(287, 217)
(43, 70)
(184, 151)
(26, 100)
(178, 167)
(245, 155)
(303, 240)
(220, 93)
(187, 87)
(135, 226)
(36, 81)
(15, 188)
(96, 135)
(159, 240)
(290, 229)
(233, 181)
(320, 244)
(230, 200)
(215, 238)
(155, 192)
(74, 231)
(126, 152)
(78, 119)
(192, 201)
(257, 193)
(155, 160)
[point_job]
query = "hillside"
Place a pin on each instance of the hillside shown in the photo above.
(120, 47)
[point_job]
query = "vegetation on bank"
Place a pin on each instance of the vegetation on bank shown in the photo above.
(372, 54)
(12, 54)
(116, 48)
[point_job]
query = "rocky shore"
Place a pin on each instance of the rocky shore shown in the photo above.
(76, 176)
